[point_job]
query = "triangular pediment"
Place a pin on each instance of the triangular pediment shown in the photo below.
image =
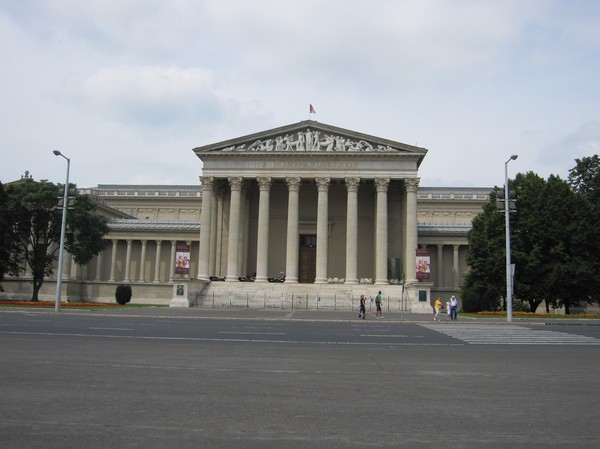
(310, 137)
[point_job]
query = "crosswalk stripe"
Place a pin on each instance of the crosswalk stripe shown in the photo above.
(510, 335)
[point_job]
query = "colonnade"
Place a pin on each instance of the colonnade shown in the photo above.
(211, 232)
(70, 267)
(455, 266)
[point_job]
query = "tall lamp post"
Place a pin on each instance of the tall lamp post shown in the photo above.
(62, 233)
(509, 283)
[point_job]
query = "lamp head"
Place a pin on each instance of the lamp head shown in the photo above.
(513, 157)
(57, 153)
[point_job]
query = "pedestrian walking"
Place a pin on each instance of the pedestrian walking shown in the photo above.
(448, 310)
(453, 308)
(378, 305)
(437, 309)
(362, 311)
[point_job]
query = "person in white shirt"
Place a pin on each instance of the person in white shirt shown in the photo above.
(453, 308)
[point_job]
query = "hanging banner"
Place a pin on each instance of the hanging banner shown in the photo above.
(182, 259)
(423, 264)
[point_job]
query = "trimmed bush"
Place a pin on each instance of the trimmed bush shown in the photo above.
(123, 294)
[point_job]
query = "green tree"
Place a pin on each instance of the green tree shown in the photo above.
(571, 277)
(484, 284)
(584, 178)
(8, 263)
(33, 209)
(529, 225)
(554, 245)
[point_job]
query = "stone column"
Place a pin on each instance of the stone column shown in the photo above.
(67, 258)
(440, 265)
(172, 260)
(205, 228)
(113, 260)
(381, 236)
(244, 222)
(157, 262)
(292, 247)
(234, 229)
(189, 244)
(98, 267)
(455, 267)
(142, 277)
(411, 185)
(128, 262)
(29, 271)
(219, 236)
(322, 229)
(213, 234)
(262, 244)
(352, 230)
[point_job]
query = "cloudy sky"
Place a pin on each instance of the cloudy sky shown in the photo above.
(126, 88)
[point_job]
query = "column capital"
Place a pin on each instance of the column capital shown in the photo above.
(352, 184)
(411, 184)
(235, 182)
(382, 184)
(323, 184)
(293, 183)
(207, 182)
(264, 183)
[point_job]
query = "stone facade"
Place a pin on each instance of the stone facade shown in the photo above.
(339, 213)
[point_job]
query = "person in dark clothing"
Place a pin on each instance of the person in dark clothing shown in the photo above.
(362, 311)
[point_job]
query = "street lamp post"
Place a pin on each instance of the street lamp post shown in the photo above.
(62, 232)
(509, 277)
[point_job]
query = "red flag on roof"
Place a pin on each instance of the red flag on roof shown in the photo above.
(311, 110)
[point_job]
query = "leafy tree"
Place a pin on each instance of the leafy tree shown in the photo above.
(484, 283)
(555, 241)
(571, 277)
(584, 178)
(8, 264)
(528, 229)
(36, 220)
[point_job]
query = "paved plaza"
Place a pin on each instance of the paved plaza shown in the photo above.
(188, 378)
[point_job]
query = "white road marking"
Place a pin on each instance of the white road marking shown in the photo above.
(227, 340)
(485, 334)
(254, 333)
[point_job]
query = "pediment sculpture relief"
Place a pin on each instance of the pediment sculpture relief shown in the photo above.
(310, 141)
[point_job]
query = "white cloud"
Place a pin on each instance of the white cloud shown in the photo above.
(152, 95)
(144, 81)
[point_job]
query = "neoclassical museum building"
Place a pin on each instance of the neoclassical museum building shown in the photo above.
(305, 215)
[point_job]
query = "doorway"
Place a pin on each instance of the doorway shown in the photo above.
(307, 267)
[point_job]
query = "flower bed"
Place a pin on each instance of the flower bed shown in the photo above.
(538, 315)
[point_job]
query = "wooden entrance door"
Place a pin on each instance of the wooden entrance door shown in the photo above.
(307, 267)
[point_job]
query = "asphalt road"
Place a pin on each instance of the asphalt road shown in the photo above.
(164, 379)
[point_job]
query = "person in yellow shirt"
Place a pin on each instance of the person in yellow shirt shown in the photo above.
(438, 308)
